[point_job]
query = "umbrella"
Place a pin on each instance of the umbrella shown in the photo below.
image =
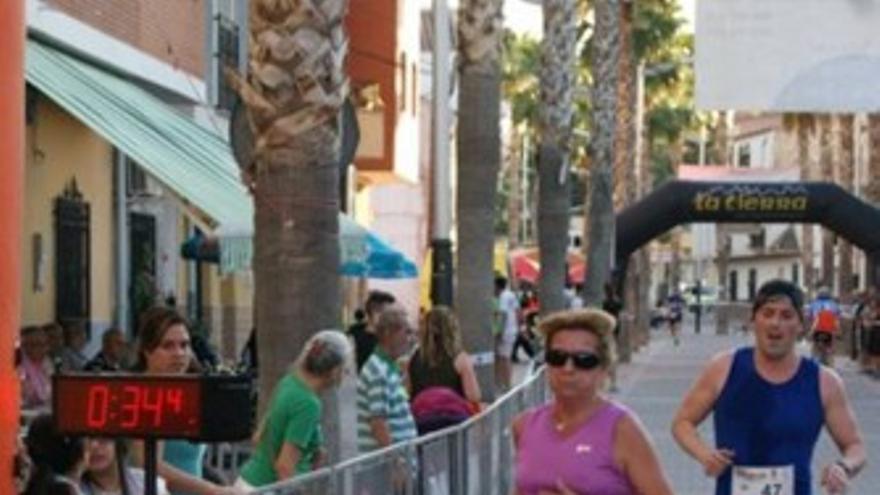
(525, 265)
(379, 260)
(362, 253)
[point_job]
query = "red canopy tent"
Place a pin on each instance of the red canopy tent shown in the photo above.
(525, 265)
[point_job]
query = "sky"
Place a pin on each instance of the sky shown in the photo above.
(524, 16)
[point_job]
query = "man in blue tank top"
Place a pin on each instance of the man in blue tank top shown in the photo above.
(769, 405)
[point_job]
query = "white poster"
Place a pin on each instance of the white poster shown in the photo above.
(788, 55)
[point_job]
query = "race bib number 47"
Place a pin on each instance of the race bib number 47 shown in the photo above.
(765, 480)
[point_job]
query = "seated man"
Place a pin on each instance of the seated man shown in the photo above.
(110, 357)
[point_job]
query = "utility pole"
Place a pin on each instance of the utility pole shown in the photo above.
(441, 245)
(12, 96)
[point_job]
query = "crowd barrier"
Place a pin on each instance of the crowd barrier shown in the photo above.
(473, 458)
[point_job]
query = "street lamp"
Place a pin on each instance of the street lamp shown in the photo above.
(441, 245)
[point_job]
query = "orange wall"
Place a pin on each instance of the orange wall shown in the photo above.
(372, 28)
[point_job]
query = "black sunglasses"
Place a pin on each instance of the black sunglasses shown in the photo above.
(582, 360)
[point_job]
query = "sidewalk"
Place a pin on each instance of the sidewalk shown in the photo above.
(654, 383)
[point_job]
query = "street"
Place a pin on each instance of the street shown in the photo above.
(660, 374)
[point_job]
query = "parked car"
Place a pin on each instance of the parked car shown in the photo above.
(708, 297)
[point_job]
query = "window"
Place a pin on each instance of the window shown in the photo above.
(744, 155)
(753, 283)
(733, 285)
(227, 56)
(758, 240)
(795, 274)
(136, 178)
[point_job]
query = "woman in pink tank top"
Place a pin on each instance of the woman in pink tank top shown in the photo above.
(581, 442)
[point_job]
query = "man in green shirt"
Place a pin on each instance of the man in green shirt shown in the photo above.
(289, 439)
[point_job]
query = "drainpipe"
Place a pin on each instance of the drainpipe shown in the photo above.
(12, 125)
(123, 253)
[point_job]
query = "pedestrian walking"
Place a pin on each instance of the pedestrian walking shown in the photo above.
(528, 315)
(583, 442)
(769, 405)
(675, 304)
(870, 320)
(612, 305)
(505, 338)
(289, 439)
(824, 316)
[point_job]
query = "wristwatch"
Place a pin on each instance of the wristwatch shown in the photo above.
(850, 472)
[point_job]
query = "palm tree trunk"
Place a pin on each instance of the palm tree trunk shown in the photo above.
(624, 139)
(606, 54)
(805, 124)
(557, 110)
(722, 236)
(872, 189)
(625, 169)
(292, 105)
(479, 156)
(514, 186)
(827, 168)
(847, 177)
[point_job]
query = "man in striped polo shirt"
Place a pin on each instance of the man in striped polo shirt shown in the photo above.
(383, 414)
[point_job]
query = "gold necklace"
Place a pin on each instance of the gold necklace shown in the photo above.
(560, 424)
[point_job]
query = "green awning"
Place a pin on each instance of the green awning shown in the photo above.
(190, 160)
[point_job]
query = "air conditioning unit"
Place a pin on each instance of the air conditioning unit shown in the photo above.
(139, 184)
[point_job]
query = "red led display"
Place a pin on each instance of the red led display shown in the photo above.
(137, 406)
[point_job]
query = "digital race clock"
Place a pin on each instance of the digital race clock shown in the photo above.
(193, 407)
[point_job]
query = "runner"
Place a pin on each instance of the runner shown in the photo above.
(824, 314)
(769, 405)
(675, 313)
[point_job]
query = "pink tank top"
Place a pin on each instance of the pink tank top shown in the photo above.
(584, 461)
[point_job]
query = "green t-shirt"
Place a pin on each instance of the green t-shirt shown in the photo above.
(294, 417)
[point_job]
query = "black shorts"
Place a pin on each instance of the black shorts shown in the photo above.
(822, 338)
(673, 319)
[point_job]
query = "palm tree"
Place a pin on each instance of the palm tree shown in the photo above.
(514, 188)
(556, 111)
(805, 125)
(294, 90)
(847, 177)
(826, 166)
(872, 188)
(625, 175)
(606, 54)
(479, 156)
(722, 236)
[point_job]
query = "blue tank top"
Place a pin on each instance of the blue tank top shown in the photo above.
(768, 424)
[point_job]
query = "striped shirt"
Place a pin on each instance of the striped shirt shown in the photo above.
(381, 394)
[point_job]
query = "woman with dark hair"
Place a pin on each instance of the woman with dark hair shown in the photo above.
(441, 376)
(164, 347)
(58, 460)
(107, 472)
(289, 440)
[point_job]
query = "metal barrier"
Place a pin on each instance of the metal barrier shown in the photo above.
(473, 458)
